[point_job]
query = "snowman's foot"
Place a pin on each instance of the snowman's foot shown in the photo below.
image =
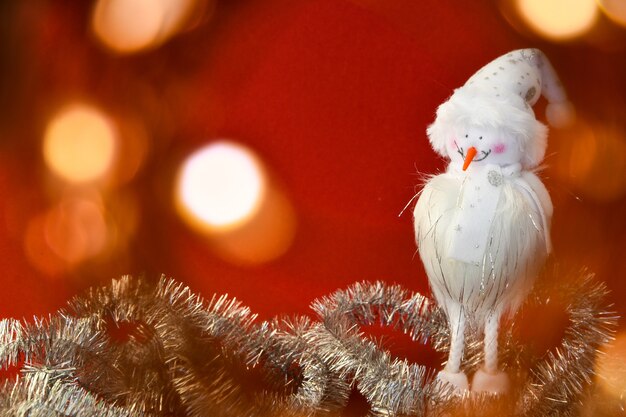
(491, 382)
(457, 379)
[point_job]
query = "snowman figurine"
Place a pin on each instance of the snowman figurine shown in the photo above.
(483, 227)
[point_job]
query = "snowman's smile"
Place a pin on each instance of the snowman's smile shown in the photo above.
(461, 151)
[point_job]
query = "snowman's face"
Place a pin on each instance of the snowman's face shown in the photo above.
(492, 145)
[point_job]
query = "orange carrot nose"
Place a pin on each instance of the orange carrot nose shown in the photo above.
(471, 153)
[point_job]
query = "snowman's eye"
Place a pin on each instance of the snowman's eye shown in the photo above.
(465, 135)
(480, 138)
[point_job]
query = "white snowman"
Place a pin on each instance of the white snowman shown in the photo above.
(483, 227)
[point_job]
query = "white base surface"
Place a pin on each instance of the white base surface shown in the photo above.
(456, 379)
(493, 383)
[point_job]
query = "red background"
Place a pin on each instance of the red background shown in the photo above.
(334, 96)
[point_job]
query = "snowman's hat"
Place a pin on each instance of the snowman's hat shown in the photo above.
(501, 95)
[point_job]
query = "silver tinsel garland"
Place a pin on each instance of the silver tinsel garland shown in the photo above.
(181, 355)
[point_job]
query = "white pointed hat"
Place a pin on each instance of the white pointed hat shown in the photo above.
(501, 95)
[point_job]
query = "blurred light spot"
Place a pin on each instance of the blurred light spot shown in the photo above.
(176, 14)
(38, 252)
(131, 151)
(592, 158)
(611, 367)
(558, 19)
(221, 185)
(122, 221)
(76, 229)
(583, 153)
(615, 10)
(69, 233)
(575, 150)
(263, 238)
(79, 144)
(129, 26)
(224, 192)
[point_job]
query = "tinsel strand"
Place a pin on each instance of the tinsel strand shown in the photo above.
(140, 349)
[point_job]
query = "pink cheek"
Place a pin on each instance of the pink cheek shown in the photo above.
(452, 143)
(499, 148)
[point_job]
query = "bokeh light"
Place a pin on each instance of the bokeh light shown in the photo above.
(177, 13)
(615, 10)
(130, 26)
(127, 26)
(224, 192)
(76, 229)
(83, 227)
(123, 217)
(37, 250)
(132, 149)
(558, 19)
(263, 238)
(221, 185)
(79, 143)
(592, 159)
(611, 367)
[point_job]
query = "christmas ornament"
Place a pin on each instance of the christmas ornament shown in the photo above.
(483, 226)
(182, 355)
(391, 386)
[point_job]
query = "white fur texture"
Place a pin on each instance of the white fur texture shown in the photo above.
(469, 108)
(500, 96)
(492, 116)
(516, 251)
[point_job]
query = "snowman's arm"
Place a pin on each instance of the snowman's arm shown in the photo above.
(539, 198)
